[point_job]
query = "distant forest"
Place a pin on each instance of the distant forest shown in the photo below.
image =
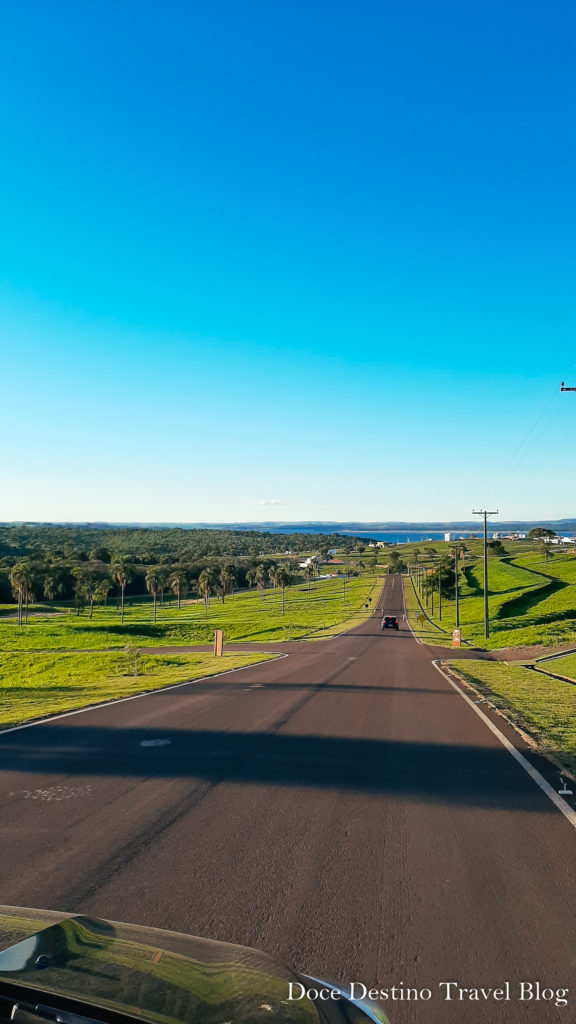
(56, 557)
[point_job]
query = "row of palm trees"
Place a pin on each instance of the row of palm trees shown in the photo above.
(91, 586)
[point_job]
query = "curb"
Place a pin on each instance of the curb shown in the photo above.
(562, 805)
(551, 675)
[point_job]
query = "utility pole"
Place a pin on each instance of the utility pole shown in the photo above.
(439, 594)
(457, 608)
(486, 618)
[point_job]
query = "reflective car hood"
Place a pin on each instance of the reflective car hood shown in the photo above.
(155, 975)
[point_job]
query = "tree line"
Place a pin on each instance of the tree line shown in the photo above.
(90, 582)
(150, 546)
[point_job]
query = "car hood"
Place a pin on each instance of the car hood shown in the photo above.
(157, 976)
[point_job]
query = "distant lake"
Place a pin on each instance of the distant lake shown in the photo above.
(409, 535)
(391, 536)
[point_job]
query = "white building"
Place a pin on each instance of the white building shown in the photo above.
(447, 536)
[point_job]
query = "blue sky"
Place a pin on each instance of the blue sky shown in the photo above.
(315, 254)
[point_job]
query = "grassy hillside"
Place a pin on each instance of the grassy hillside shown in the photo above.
(531, 601)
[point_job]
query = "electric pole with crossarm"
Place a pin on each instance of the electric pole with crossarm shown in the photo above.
(486, 618)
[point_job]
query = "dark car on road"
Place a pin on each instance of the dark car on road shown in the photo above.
(390, 622)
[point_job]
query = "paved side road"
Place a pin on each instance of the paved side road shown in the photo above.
(343, 808)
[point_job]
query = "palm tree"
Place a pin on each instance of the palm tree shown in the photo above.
(90, 587)
(227, 581)
(260, 577)
(122, 573)
(308, 573)
(79, 588)
(282, 580)
(51, 586)
(272, 574)
(251, 577)
(21, 581)
(153, 584)
(179, 584)
(205, 587)
(102, 591)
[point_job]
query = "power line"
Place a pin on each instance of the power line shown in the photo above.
(531, 439)
(561, 443)
(549, 455)
(527, 437)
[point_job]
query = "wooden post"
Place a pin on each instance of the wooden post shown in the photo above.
(218, 643)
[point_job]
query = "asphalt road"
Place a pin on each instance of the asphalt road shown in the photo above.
(343, 808)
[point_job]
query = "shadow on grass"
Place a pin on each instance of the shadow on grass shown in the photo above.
(135, 630)
(535, 620)
(475, 587)
(524, 602)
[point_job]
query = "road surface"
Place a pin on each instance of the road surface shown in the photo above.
(343, 808)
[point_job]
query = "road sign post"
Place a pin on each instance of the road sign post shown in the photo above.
(218, 643)
(456, 638)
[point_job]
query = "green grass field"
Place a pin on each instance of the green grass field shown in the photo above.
(250, 617)
(561, 666)
(35, 685)
(545, 708)
(60, 663)
(531, 602)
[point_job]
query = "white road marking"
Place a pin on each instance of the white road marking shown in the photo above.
(155, 743)
(137, 696)
(533, 772)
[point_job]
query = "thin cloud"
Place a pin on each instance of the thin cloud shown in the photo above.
(272, 501)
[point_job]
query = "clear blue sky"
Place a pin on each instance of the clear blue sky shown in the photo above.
(309, 252)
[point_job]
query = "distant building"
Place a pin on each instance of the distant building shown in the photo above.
(509, 536)
(447, 536)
